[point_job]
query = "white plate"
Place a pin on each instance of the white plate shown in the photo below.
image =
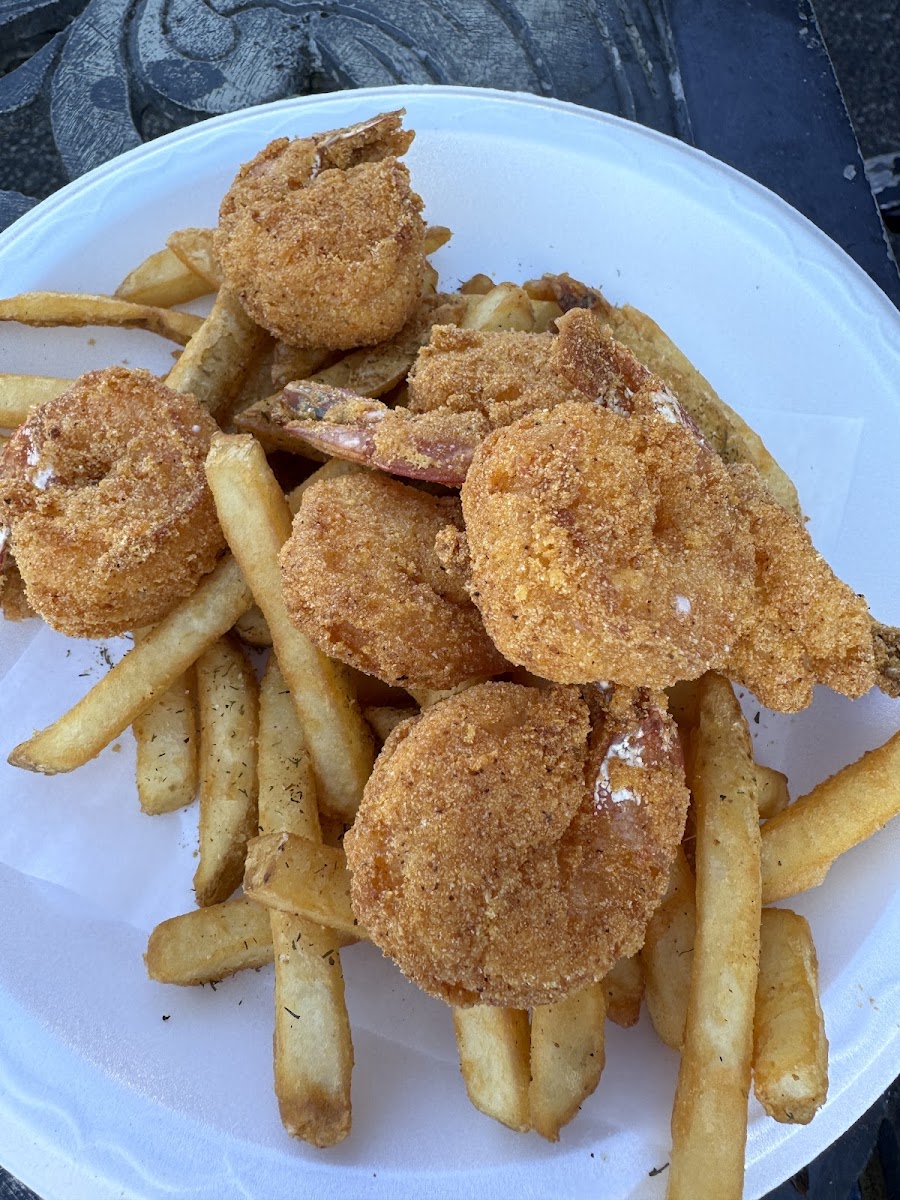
(98, 1095)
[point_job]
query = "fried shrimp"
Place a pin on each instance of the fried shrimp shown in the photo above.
(321, 238)
(105, 503)
(362, 580)
(513, 842)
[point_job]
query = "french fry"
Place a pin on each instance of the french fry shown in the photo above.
(73, 308)
(505, 307)
(709, 1119)
(302, 877)
(313, 1051)
(228, 707)
(19, 394)
(295, 362)
(772, 787)
(252, 629)
(384, 720)
(545, 313)
(213, 363)
(478, 285)
(132, 685)
(166, 743)
(255, 518)
(567, 1058)
(623, 989)
(800, 844)
(668, 955)
(374, 370)
(494, 1054)
(196, 249)
(435, 237)
(255, 385)
(287, 783)
(207, 944)
(162, 279)
(790, 1054)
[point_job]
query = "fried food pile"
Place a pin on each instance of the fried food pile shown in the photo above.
(533, 519)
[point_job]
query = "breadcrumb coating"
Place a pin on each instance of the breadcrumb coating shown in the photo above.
(362, 580)
(606, 547)
(322, 238)
(507, 853)
(104, 490)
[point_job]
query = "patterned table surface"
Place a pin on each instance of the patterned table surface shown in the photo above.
(749, 81)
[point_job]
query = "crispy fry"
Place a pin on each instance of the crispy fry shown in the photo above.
(163, 279)
(213, 363)
(19, 394)
(709, 1120)
(196, 249)
(228, 706)
(545, 313)
(73, 308)
(435, 237)
(133, 684)
(567, 1058)
(300, 876)
(772, 788)
(790, 1055)
(505, 307)
(209, 943)
(166, 742)
(478, 285)
(256, 521)
(313, 1049)
(623, 989)
(384, 720)
(252, 629)
(287, 784)
(800, 844)
(255, 385)
(295, 362)
(668, 955)
(494, 1052)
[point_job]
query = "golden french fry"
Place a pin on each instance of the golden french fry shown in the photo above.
(374, 370)
(255, 385)
(132, 685)
(790, 1054)
(313, 1050)
(623, 989)
(228, 707)
(384, 720)
(494, 1052)
(295, 362)
(505, 307)
(800, 844)
(300, 876)
(74, 308)
(196, 249)
(567, 1058)
(213, 363)
(166, 743)
(709, 1119)
(255, 518)
(773, 792)
(435, 237)
(162, 279)
(287, 783)
(209, 943)
(545, 313)
(19, 394)
(478, 285)
(668, 954)
(252, 629)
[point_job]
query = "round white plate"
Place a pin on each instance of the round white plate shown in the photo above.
(101, 1096)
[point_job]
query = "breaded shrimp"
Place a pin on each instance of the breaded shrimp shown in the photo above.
(513, 842)
(362, 581)
(321, 238)
(106, 504)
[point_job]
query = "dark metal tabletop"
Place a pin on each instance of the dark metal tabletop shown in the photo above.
(749, 81)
